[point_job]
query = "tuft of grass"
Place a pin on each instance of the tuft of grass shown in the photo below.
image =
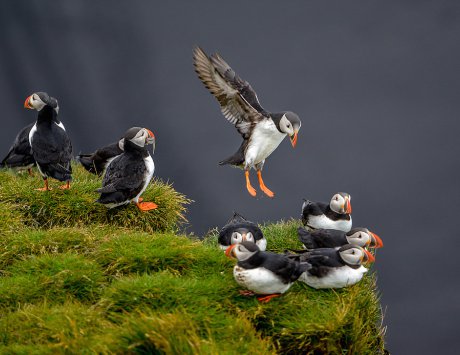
(77, 206)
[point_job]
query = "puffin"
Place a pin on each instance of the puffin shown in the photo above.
(128, 175)
(96, 162)
(20, 154)
(332, 238)
(334, 268)
(50, 144)
(335, 215)
(262, 131)
(264, 273)
(238, 229)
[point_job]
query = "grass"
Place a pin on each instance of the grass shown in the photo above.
(97, 286)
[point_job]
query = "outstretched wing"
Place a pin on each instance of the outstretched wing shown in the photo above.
(238, 101)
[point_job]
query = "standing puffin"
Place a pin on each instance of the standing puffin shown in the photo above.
(264, 273)
(51, 146)
(332, 238)
(262, 131)
(128, 175)
(97, 162)
(238, 230)
(20, 154)
(331, 268)
(335, 215)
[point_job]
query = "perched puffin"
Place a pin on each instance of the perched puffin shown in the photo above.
(331, 268)
(128, 175)
(20, 154)
(264, 273)
(262, 131)
(335, 215)
(96, 162)
(238, 230)
(51, 146)
(332, 238)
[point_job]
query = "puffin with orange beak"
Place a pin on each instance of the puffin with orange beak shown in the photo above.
(237, 230)
(50, 144)
(262, 131)
(333, 268)
(335, 215)
(262, 273)
(332, 238)
(128, 175)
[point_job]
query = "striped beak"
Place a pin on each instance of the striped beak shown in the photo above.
(229, 251)
(294, 138)
(375, 241)
(368, 257)
(27, 103)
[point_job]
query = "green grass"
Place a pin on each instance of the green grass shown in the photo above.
(84, 285)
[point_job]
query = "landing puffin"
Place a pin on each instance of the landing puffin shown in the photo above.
(20, 154)
(237, 230)
(331, 268)
(263, 273)
(335, 215)
(51, 146)
(262, 131)
(96, 162)
(332, 238)
(128, 175)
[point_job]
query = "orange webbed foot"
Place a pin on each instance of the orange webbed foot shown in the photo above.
(251, 190)
(147, 206)
(66, 186)
(266, 299)
(264, 188)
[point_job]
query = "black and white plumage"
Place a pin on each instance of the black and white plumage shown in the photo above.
(264, 273)
(334, 268)
(20, 154)
(128, 175)
(238, 230)
(262, 131)
(96, 162)
(332, 238)
(51, 146)
(335, 215)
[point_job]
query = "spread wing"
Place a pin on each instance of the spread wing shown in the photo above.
(238, 101)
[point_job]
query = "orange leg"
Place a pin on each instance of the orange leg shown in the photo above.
(46, 188)
(146, 206)
(66, 186)
(267, 298)
(251, 190)
(264, 188)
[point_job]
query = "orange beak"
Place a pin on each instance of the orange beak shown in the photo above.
(228, 251)
(294, 139)
(370, 257)
(150, 133)
(348, 207)
(377, 243)
(27, 103)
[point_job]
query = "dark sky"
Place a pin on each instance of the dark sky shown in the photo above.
(376, 84)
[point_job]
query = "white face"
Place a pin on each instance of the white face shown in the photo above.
(339, 203)
(360, 238)
(353, 256)
(36, 102)
(241, 237)
(121, 144)
(141, 138)
(286, 126)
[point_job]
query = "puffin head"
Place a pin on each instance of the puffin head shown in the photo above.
(340, 203)
(354, 255)
(138, 136)
(290, 124)
(363, 237)
(241, 235)
(39, 100)
(242, 251)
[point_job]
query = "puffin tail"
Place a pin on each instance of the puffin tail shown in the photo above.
(236, 159)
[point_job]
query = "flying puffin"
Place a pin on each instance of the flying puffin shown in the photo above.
(331, 268)
(262, 131)
(128, 175)
(332, 238)
(264, 273)
(20, 154)
(335, 215)
(96, 162)
(51, 146)
(238, 230)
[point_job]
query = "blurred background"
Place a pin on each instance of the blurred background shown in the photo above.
(376, 85)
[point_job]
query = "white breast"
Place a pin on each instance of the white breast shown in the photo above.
(259, 280)
(149, 164)
(326, 223)
(265, 138)
(31, 133)
(337, 278)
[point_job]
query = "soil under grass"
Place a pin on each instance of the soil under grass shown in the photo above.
(76, 278)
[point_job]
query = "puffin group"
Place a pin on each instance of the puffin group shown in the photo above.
(334, 253)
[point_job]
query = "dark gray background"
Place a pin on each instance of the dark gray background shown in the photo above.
(375, 83)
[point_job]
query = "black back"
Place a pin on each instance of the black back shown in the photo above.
(320, 208)
(96, 162)
(322, 238)
(20, 153)
(237, 224)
